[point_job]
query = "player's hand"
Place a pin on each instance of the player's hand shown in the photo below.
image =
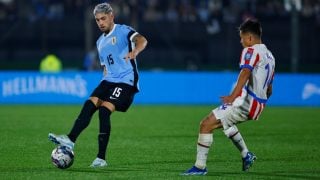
(131, 55)
(227, 99)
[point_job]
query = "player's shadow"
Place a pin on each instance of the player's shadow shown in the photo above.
(105, 170)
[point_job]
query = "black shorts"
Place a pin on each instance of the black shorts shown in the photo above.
(119, 94)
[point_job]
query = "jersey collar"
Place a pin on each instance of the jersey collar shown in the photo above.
(114, 27)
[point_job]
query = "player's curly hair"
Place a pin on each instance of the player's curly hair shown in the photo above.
(102, 8)
(251, 25)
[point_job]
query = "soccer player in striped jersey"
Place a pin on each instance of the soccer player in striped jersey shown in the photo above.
(118, 47)
(246, 102)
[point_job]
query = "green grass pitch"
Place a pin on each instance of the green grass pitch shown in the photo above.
(159, 142)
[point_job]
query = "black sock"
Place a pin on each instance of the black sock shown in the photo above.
(83, 120)
(104, 132)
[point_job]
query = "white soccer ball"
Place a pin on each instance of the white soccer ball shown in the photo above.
(62, 157)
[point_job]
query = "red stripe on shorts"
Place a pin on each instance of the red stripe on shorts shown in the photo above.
(253, 108)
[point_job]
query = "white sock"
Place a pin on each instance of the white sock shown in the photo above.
(235, 136)
(203, 146)
(240, 144)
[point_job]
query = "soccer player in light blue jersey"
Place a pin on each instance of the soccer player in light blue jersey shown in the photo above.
(118, 47)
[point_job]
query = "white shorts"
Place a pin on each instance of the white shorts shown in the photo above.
(230, 115)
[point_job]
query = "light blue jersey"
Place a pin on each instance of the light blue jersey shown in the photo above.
(112, 49)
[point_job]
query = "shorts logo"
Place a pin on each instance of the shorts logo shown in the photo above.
(223, 107)
(111, 97)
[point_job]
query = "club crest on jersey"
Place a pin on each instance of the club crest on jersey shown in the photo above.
(113, 40)
(248, 54)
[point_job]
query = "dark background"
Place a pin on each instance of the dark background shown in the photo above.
(183, 35)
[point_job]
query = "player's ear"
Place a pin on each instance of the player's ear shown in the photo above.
(112, 15)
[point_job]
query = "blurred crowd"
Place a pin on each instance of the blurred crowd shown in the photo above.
(49, 25)
(33, 10)
(159, 10)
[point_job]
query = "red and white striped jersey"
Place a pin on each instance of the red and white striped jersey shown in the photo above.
(261, 62)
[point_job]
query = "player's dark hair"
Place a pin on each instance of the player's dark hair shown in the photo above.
(251, 26)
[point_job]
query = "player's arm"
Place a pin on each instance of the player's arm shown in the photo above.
(140, 43)
(269, 91)
(242, 80)
(104, 70)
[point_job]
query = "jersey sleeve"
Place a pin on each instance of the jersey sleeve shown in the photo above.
(100, 58)
(130, 32)
(98, 42)
(249, 58)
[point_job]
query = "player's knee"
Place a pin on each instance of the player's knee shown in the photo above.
(208, 124)
(96, 101)
(109, 106)
(203, 124)
(231, 131)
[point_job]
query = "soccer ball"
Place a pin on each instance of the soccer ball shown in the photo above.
(62, 157)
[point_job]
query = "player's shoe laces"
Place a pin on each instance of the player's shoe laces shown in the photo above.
(248, 161)
(194, 171)
(98, 163)
(62, 140)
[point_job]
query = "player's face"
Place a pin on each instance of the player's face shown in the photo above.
(245, 39)
(104, 21)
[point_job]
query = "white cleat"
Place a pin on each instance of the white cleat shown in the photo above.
(98, 163)
(61, 140)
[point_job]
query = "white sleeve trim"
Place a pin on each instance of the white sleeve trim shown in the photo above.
(131, 37)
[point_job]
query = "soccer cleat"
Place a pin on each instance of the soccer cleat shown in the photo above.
(194, 171)
(248, 161)
(98, 163)
(62, 140)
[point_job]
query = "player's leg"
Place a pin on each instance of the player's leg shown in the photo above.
(105, 111)
(235, 136)
(120, 99)
(80, 124)
(84, 118)
(205, 139)
(229, 121)
(237, 139)
(89, 108)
